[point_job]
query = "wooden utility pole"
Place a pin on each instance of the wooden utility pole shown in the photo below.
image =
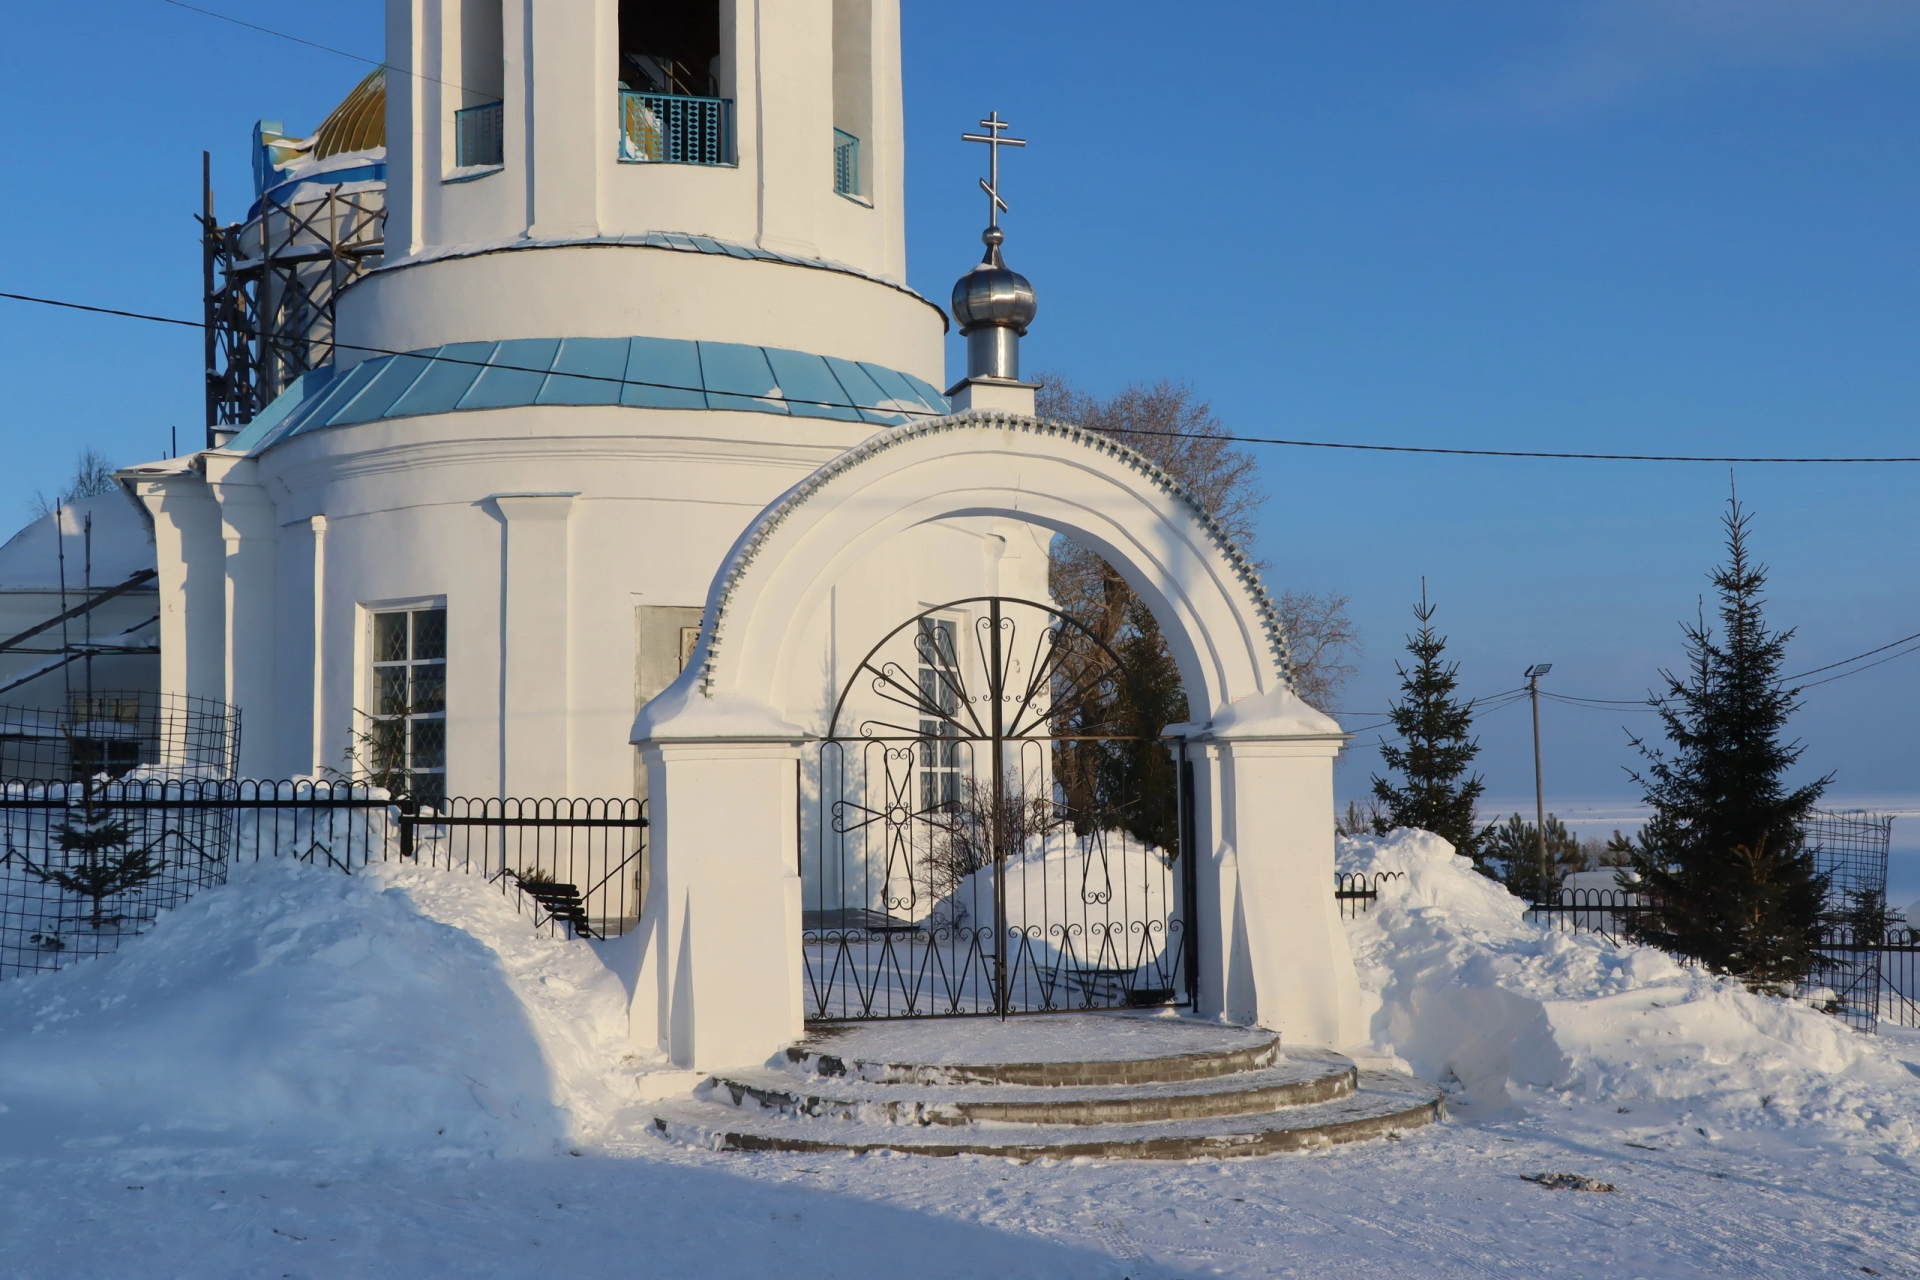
(1533, 674)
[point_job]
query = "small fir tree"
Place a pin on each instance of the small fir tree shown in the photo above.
(100, 861)
(1511, 850)
(1723, 861)
(1437, 794)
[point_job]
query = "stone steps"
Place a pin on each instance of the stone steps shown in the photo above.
(1102, 1085)
(1045, 1050)
(1383, 1103)
(1296, 1080)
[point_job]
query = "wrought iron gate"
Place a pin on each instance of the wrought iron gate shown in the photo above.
(991, 826)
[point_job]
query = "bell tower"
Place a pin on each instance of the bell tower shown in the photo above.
(720, 170)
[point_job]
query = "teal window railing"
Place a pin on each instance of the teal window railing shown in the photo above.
(846, 164)
(477, 137)
(659, 128)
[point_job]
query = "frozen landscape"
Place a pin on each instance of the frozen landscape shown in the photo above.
(310, 1074)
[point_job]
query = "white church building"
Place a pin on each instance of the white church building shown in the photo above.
(637, 471)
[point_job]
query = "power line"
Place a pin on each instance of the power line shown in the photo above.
(1855, 658)
(425, 357)
(1508, 453)
(1643, 707)
(311, 44)
(1857, 670)
(930, 413)
(104, 311)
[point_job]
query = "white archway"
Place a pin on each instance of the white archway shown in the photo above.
(718, 982)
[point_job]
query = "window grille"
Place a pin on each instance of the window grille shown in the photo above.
(477, 135)
(846, 164)
(408, 751)
(939, 688)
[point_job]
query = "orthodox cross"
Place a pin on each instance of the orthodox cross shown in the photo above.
(993, 124)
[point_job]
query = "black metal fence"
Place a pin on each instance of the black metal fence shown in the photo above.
(120, 732)
(1867, 977)
(1357, 891)
(1613, 913)
(84, 866)
(907, 911)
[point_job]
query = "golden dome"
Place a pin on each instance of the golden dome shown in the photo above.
(358, 123)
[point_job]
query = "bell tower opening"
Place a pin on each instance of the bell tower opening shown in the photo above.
(670, 47)
(479, 118)
(670, 82)
(853, 98)
(483, 66)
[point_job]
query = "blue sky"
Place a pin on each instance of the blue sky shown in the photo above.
(1645, 225)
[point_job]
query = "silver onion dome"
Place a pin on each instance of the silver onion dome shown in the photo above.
(994, 305)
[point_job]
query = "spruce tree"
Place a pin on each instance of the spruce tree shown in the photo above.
(1435, 750)
(1722, 859)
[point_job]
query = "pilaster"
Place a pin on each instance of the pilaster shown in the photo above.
(249, 528)
(533, 642)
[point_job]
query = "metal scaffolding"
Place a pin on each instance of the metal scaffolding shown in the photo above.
(271, 284)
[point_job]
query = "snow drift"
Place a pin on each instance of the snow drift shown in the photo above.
(1476, 997)
(400, 1010)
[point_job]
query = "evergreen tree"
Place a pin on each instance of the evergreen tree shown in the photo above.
(1723, 859)
(100, 860)
(1434, 752)
(1510, 851)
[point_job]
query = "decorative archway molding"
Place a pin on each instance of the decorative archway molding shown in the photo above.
(720, 742)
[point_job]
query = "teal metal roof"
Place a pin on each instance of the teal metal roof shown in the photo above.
(641, 373)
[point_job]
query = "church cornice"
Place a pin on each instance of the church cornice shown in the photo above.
(670, 241)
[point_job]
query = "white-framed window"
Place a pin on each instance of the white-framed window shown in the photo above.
(407, 746)
(938, 652)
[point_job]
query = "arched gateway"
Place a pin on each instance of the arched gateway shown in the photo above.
(756, 918)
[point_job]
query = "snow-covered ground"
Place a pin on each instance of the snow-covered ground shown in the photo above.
(308, 1074)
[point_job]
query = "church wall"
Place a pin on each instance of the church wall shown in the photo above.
(412, 515)
(411, 519)
(294, 648)
(618, 292)
(561, 104)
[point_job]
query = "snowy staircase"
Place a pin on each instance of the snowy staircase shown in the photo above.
(1104, 1085)
(560, 901)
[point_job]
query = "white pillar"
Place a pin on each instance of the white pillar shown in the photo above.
(1272, 949)
(720, 973)
(533, 633)
(192, 561)
(249, 524)
(568, 95)
(320, 757)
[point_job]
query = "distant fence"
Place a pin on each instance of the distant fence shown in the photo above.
(1864, 977)
(1867, 977)
(84, 866)
(1611, 912)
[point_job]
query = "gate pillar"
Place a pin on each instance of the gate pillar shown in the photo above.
(1271, 947)
(719, 977)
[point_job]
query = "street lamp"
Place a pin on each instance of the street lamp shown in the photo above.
(1533, 674)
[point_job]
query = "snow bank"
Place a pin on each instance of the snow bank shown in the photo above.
(1476, 997)
(401, 1010)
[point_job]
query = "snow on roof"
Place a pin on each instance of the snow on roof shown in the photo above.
(122, 546)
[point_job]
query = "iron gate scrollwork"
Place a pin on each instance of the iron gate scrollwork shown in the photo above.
(995, 826)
